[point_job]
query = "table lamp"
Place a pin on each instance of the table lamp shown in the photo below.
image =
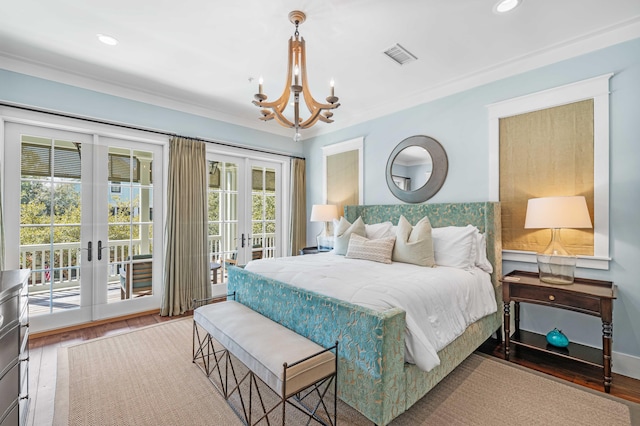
(555, 264)
(324, 213)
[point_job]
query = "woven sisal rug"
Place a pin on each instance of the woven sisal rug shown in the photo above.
(146, 377)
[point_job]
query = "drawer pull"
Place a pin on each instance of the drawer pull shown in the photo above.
(552, 297)
(1, 320)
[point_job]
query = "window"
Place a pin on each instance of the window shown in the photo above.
(596, 90)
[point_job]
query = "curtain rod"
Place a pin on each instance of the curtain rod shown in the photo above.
(142, 129)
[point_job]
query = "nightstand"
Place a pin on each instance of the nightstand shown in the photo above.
(309, 250)
(591, 297)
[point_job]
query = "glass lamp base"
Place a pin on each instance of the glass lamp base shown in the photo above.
(556, 269)
(324, 242)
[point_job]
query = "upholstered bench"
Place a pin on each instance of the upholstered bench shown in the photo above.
(285, 361)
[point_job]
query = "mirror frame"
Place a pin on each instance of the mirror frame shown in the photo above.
(438, 173)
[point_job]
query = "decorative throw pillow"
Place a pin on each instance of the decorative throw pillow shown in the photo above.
(378, 230)
(454, 246)
(482, 261)
(414, 243)
(375, 250)
(342, 233)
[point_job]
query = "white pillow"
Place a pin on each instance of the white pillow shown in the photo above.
(375, 250)
(482, 261)
(378, 230)
(454, 246)
(342, 233)
(414, 243)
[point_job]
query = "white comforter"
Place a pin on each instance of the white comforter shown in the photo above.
(440, 303)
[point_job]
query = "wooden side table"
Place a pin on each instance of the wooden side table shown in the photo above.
(591, 297)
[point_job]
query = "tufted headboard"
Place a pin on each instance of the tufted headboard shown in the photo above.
(484, 215)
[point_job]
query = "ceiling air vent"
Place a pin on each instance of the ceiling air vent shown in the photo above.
(399, 54)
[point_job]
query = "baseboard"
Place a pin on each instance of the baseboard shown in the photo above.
(624, 364)
(91, 324)
(218, 290)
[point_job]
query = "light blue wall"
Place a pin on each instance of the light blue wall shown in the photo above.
(460, 123)
(32, 91)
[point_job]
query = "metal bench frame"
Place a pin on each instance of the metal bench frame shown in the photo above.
(217, 365)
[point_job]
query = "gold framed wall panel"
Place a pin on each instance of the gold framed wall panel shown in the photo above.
(549, 152)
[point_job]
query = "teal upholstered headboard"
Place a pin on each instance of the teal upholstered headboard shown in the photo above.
(484, 215)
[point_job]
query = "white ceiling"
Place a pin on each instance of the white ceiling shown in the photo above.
(199, 56)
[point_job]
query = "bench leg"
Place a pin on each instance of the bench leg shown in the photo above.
(317, 390)
(228, 383)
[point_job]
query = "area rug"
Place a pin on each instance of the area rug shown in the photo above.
(146, 377)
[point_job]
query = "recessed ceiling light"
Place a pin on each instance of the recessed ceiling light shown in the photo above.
(106, 39)
(504, 6)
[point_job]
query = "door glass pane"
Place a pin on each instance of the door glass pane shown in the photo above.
(223, 217)
(130, 245)
(263, 212)
(50, 216)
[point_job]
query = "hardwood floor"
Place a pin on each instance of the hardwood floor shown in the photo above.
(43, 364)
(572, 371)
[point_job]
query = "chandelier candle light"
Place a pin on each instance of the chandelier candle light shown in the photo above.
(555, 264)
(296, 82)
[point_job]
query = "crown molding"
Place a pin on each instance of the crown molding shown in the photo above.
(610, 36)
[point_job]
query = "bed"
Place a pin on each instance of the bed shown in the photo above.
(373, 375)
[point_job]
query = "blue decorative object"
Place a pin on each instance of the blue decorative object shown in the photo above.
(556, 338)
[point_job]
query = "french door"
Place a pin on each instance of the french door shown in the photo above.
(245, 211)
(80, 213)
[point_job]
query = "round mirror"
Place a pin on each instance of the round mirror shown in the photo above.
(411, 169)
(416, 169)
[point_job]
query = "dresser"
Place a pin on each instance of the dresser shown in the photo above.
(14, 347)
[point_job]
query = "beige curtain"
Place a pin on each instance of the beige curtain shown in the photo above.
(1, 226)
(298, 230)
(186, 275)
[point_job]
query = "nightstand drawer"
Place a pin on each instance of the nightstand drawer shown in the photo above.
(577, 302)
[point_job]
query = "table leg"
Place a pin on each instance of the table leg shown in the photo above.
(607, 331)
(516, 319)
(507, 324)
(214, 272)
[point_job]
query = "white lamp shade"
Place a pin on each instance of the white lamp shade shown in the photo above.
(557, 212)
(323, 212)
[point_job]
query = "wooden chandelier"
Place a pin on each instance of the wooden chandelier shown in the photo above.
(296, 82)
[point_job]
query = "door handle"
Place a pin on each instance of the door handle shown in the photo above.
(242, 245)
(100, 249)
(89, 251)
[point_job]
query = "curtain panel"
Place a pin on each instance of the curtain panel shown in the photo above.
(298, 229)
(1, 225)
(186, 275)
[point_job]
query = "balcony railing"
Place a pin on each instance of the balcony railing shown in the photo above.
(65, 271)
